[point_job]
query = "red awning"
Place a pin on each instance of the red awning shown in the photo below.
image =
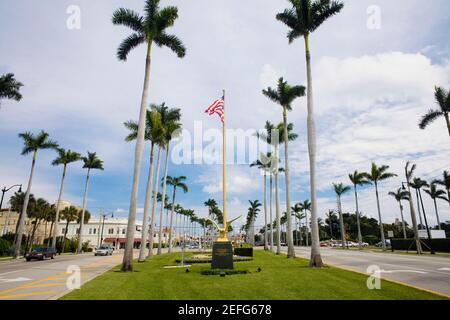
(121, 240)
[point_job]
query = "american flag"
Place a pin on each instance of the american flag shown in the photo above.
(218, 107)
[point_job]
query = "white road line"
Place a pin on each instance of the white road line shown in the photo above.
(2, 274)
(444, 269)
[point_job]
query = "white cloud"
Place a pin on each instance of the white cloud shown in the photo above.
(269, 76)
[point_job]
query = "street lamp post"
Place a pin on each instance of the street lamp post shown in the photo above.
(104, 215)
(4, 190)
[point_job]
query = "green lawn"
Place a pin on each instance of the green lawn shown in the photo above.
(280, 278)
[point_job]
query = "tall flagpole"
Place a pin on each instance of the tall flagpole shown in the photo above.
(224, 180)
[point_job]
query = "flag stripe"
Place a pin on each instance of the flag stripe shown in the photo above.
(217, 107)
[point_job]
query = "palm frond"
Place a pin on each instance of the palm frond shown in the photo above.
(172, 42)
(429, 118)
(128, 18)
(129, 44)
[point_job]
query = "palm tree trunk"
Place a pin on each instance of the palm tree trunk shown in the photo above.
(151, 238)
(270, 213)
(358, 222)
(341, 221)
(265, 212)
(307, 228)
(316, 259)
(127, 263)
(30, 247)
(290, 241)
(413, 215)
(147, 202)
(383, 242)
(80, 232)
(65, 236)
(403, 220)
(171, 218)
(277, 207)
(61, 190)
(163, 198)
(437, 214)
(23, 214)
(418, 209)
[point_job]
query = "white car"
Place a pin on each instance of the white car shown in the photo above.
(104, 250)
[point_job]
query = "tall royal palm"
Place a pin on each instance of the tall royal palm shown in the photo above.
(175, 182)
(340, 189)
(32, 143)
(211, 204)
(148, 29)
(400, 195)
(409, 172)
(445, 182)
(10, 87)
(264, 166)
(171, 127)
(303, 18)
(443, 100)
(285, 95)
(358, 179)
(376, 175)
(306, 206)
(64, 158)
(298, 214)
(253, 211)
(418, 184)
(153, 133)
(91, 162)
(435, 194)
(69, 215)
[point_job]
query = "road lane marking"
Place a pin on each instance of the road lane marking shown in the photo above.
(44, 285)
(2, 274)
(397, 271)
(19, 295)
(20, 279)
(444, 269)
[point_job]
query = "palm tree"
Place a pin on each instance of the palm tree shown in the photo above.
(91, 162)
(175, 182)
(153, 133)
(150, 28)
(297, 210)
(64, 158)
(330, 215)
(340, 189)
(443, 100)
(418, 184)
(211, 204)
(10, 87)
(435, 194)
(170, 119)
(400, 195)
(445, 182)
(409, 172)
(252, 214)
(285, 95)
(39, 212)
(306, 206)
(32, 143)
(376, 175)
(358, 179)
(264, 166)
(69, 214)
(303, 18)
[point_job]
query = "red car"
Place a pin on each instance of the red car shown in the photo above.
(41, 254)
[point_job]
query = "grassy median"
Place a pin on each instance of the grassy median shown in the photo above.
(279, 279)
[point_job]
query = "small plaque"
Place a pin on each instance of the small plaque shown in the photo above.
(222, 255)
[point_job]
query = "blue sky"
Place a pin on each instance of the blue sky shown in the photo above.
(371, 86)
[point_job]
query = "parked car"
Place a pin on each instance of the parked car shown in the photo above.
(336, 243)
(387, 243)
(41, 254)
(104, 250)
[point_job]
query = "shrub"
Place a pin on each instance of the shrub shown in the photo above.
(371, 239)
(243, 252)
(228, 272)
(5, 247)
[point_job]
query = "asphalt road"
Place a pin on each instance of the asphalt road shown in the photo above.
(426, 272)
(49, 279)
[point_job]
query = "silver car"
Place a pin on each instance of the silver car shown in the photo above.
(104, 250)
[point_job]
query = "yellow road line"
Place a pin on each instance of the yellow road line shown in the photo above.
(45, 285)
(19, 295)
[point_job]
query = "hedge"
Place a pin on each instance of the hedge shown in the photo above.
(243, 252)
(439, 245)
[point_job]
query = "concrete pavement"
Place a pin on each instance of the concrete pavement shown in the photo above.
(425, 272)
(44, 280)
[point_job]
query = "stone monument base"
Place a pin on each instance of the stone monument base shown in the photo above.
(222, 255)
